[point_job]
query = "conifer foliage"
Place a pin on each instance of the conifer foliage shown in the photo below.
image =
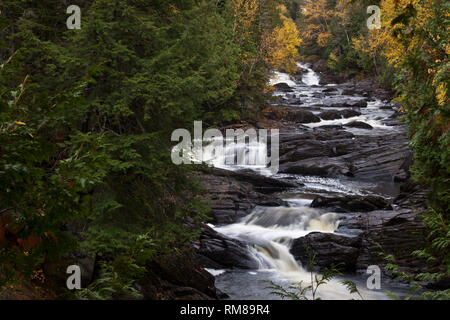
(86, 117)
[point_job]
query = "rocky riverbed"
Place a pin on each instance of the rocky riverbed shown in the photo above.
(342, 191)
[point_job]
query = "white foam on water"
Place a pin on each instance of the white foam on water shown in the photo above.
(270, 231)
(375, 123)
(299, 202)
(310, 78)
(215, 272)
(254, 156)
(280, 77)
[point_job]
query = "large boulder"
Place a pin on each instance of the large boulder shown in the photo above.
(177, 276)
(232, 198)
(292, 114)
(388, 232)
(328, 248)
(218, 251)
(302, 116)
(358, 124)
(283, 87)
(339, 114)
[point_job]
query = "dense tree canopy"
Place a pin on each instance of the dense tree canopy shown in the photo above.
(86, 117)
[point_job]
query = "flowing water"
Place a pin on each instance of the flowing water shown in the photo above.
(270, 231)
(310, 78)
(254, 156)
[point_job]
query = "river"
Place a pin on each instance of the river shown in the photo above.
(271, 230)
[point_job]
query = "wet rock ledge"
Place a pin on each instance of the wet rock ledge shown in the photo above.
(233, 194)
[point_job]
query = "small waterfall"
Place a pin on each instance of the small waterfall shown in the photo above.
(239, 155)
(254, 154)
(271, 231)
(280, 77)
(279, 257)
(310, 78)
(299, 218)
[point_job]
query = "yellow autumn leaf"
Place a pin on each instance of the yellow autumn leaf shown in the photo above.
(282, 44)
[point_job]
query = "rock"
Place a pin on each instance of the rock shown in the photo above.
(231, 198)
(334, 135)
(339, 114)
(352, 203)
(358, 124)
(374, 157)
(350, 92)
(300, 71)
(390, 122)
(397, 232)
(358, 104)
(328, 249)
(294, 101)
(283, 87)
(331, 126)
(411, 195)
(346, 104)
(223, 251)
(441, 284)
(360, 238)
(320, 66)
(322, 167)
(397, 114)
(330, 90)
(290, 114)
(177, 277)
(365, 157)
(221, 295)
(327, 78)
(302, 116)
(318, 95)
(305, 149)
(403, 174)
(260, 183)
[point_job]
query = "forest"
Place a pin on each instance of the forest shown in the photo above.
(86, 117)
